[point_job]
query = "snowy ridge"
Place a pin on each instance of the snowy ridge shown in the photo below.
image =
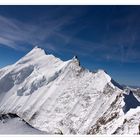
(131, 123)
(60, 97)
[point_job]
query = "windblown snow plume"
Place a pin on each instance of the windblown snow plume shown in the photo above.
(60, 97)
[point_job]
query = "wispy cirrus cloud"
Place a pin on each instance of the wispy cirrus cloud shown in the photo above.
(60, 30)
(14, 33)
(7, 42)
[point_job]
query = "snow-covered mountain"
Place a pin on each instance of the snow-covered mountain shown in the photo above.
(61, 97)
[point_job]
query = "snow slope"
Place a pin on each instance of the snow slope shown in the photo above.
(61, 97)
(15, 125)
(131, 123)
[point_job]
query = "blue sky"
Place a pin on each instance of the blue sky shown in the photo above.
(103, 37)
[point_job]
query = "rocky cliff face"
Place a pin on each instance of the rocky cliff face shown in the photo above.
(63, 98)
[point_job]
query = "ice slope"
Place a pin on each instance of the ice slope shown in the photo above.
(61, 97)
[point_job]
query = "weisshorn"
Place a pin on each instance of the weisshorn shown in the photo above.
(61, 97)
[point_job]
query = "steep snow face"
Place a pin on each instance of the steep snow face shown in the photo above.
(131, 123)
(29, 69)
(60, 97)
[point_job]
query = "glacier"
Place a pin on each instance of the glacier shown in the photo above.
(61, 97)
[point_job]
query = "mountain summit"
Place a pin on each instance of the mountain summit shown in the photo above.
(61, 97)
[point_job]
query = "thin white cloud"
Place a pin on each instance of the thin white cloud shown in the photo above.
(7, 42)
(14, 33)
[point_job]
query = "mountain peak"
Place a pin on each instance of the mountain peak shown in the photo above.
(76, 60)
(37, 49)
(61, 97)
(36, 52)
(75, 57)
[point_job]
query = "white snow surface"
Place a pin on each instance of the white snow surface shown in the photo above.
(131, 123)
(17, 126)
(61, 97)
